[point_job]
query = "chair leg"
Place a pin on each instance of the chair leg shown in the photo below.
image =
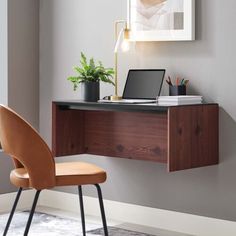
(32, 213)
(12, 211)
(102, 209)
(82, 209)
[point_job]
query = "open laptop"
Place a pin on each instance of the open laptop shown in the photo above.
(142, 86)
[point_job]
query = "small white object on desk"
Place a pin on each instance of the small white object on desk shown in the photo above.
(178, 100)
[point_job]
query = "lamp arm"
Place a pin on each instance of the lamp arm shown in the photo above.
(116, 26)
(117, 38)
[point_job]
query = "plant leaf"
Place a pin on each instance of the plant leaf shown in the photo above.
(92, 63)
(91, 72)
(78, 70)
(83, 60)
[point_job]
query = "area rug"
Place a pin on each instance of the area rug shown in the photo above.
(50, 225)
(113, 231)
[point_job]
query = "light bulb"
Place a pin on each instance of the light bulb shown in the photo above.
(125, 45)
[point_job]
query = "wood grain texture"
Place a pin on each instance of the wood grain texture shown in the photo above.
(193, 136)
(184, 137)
(141, 136)
(67, 131)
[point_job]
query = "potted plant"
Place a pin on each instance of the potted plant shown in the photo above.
(89, 76)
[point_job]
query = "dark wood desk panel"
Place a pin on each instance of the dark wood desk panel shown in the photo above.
(192, 137)
(126, 135)
(67, 131)
(183, 136)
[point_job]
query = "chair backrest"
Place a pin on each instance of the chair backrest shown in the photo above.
(27, 149)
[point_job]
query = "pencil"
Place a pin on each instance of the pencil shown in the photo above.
(177, 81)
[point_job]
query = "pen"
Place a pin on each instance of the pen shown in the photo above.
(182, 82)
(177, 81)
(169, 81)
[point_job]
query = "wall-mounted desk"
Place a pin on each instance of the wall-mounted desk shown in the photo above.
(183, 137)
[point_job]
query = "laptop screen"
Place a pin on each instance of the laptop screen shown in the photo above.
(143, 84)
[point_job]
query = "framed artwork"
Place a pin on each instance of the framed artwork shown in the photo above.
(161, 20)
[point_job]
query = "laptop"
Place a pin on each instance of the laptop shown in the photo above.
(142, 86)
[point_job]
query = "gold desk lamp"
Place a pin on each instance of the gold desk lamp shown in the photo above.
(122, 39)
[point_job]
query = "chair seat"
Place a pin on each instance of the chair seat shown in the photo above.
(69, 173)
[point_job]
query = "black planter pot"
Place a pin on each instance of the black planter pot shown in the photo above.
(90, 91)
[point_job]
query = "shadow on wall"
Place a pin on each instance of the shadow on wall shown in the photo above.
(7, 165)
(227, 140)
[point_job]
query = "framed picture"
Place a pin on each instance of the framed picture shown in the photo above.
(161, 20)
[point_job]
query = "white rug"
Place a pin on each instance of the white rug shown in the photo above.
(44, 225)
(113, 231)
(50, 225)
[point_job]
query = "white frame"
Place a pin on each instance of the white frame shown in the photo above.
(187, 34)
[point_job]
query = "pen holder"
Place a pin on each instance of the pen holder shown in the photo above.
(177, 90)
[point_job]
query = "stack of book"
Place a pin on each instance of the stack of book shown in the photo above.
(178, 100)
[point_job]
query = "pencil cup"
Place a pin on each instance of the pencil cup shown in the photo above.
(177, 90)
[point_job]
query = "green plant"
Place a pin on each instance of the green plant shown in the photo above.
(90, 72)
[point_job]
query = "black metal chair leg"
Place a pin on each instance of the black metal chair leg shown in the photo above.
(12, 211)
(102, 209)
(32, 213)
(82, 209)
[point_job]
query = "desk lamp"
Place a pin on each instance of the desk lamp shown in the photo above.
(122, 40)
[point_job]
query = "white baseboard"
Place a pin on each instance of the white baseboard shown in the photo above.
(168, 220)
(7, 200)
(151, 217)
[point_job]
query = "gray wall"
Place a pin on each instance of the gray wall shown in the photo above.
(71, 26)
(23, 58)
(23, 70)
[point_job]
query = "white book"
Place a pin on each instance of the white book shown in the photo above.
(179, 98)
(179, 103)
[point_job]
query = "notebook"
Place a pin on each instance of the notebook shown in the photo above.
(179, 100)
(142, 86)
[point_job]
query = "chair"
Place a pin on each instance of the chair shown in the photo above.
(35, 166)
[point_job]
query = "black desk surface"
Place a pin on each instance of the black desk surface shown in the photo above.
(98, 106)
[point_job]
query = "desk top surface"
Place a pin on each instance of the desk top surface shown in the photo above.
(98, 106)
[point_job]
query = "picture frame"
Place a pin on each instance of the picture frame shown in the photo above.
(161, 20)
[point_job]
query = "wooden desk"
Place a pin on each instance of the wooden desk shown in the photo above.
(183, 137)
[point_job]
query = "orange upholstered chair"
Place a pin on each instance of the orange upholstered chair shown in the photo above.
(35, 166)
